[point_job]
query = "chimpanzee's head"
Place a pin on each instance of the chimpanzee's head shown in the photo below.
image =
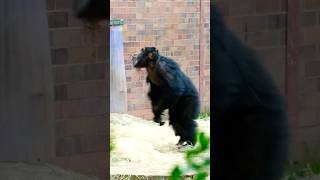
(147, 55)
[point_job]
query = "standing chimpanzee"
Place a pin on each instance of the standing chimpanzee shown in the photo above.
(249, 114)
(171, 89)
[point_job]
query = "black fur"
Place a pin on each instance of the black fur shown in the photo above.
(91, 10)
(249, 114)
(170, 89)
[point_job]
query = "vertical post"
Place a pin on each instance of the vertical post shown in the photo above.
(118, 82)
(201, 51)
(292, 70)
(26, 83)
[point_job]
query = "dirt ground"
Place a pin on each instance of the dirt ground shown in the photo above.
(144, 148)
(23, 171)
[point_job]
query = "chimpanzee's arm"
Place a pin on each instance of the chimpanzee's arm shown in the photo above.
(169, 71)
(157, 103)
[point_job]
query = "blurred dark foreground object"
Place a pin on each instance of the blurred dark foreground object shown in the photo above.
(91, 11)
(250, 127)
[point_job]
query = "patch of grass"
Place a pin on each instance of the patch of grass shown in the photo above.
(306, 170)
(112, 139)
(204, 115)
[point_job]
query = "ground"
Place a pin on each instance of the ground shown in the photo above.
(19, 171)
(144, 148)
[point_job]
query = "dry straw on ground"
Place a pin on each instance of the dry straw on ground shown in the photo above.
(143, 148)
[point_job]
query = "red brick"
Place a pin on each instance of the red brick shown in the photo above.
(77, 73)
(242, 7)
(310, 35)
(61, 75)
(264, 39)
(57, 19)
(312, 4)
(87, 89)
(100, 37)
(313, 69)
(95, 71)
(93, 143)
(277, 21)
(87, 163)
(60, 92)
(82, 55)
(81, 108)
(309, 86)
(82, 126)
(269, 6)
(309, 102)
(284, 5)
(255, 23)
(309, 119)
(308, 52)
(50, 4)
(66, 38)
(309, 19)
(64, 4)
(235, 23)
(67, 146)
(103, 53)
(311, 134)
(131, 4)
(74, 21)
(59, 56)
(277, 54)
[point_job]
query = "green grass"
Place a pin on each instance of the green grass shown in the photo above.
(112, 139)
(204, 115)
(303, 170)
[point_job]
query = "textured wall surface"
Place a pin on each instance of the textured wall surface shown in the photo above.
(174, 28)
(263, 25)
(26, 92)
(309, 80)
(80, 64)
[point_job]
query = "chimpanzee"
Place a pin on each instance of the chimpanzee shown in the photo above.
(249, 113)
(171, 89)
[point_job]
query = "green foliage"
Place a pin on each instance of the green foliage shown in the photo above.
(198, 160)
(298, 170)
(204, 115)
(176, 173)
(112, 139)
(315, 167)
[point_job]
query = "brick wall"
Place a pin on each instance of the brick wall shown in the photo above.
(309, 80)
(79, 58)
(262, 25)
(172, 27)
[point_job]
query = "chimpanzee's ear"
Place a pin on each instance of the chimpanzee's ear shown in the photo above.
(142, 49)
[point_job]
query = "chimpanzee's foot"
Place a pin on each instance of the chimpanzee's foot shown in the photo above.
(158, 120)
(180, 141)
(185, 145)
